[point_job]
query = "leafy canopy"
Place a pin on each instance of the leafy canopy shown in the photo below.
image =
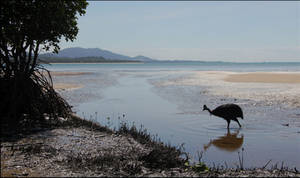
(43, 21)
(30, 25)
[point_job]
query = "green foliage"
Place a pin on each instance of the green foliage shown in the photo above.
(199, 167)
(27, 26)
(45, 22)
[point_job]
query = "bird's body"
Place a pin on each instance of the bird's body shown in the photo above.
(227, 111)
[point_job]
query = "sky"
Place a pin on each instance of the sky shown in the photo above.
(235, 31)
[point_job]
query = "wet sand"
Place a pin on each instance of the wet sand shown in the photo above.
(269, 87)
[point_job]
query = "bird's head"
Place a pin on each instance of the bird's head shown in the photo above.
(205, 107)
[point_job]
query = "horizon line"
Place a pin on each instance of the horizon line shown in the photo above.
(189, 60)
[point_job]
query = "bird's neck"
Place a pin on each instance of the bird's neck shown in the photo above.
(208, 110)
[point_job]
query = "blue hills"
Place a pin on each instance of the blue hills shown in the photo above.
(78, 52)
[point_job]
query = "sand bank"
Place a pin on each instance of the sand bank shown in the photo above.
(62, 86)
(268, 87)
(265, 77)
(66, 86)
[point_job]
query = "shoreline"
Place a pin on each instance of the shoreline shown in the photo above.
(85, 148)
(96, 63)
(79, 147)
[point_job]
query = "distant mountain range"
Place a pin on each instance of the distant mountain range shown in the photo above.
(78, 52)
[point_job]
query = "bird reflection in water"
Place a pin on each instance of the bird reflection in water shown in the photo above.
(229, 142)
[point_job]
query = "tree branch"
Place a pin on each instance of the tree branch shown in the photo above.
(29, 57)
(36, 50)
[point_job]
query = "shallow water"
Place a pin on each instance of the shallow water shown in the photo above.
(116, 93)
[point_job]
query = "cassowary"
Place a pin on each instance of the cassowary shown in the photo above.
(227, 111)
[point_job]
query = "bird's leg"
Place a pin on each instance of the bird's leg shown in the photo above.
(238, 123)
(228, 122)
(228, 132)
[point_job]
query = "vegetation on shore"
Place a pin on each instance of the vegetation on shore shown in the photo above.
(26, 87)
(84, 60)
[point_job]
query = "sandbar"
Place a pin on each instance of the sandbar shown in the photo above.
(66, 86)
(265, 77)
(268, 87)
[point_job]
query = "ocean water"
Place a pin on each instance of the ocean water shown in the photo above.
(202, 66)
(115, 93)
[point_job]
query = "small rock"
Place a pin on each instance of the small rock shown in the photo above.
(24, 174)
(174, 173)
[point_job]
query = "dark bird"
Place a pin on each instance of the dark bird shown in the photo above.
(227, 111)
